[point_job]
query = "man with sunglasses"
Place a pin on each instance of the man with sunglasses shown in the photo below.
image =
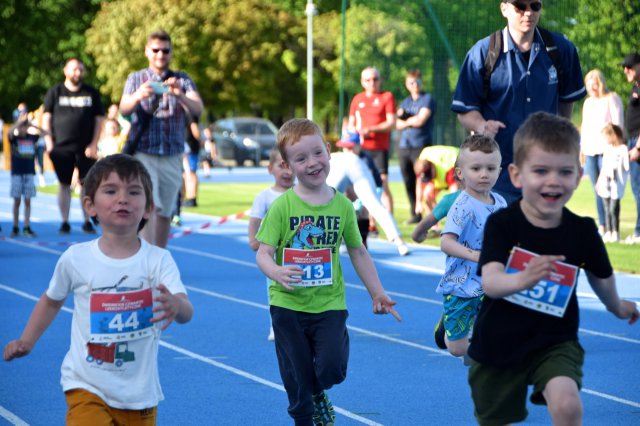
(160, 102)
(524, 80)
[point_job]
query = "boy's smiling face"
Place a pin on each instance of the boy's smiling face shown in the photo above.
(548, 180)
(309, 161)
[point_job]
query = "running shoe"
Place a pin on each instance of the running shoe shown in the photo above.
(27, 232)
(65, 228)
(15, 231)
(323, 412)
(88, 228)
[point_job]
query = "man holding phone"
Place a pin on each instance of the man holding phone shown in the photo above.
(160, 101)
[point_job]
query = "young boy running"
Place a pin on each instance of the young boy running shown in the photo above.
(123, 288)
(478, 167)
(524, 335)
(302, 231)
(283, 180)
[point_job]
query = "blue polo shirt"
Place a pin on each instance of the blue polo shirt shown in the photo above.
(418, 137)
(517, 88)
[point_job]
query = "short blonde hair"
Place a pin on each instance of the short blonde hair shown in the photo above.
(615, 132)
(292, 131)
(550, 133)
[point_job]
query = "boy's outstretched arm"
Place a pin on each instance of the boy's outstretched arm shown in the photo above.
(605, 289)
(43, 314)
(497, 283)
(361, 260)
(284, 275)
(421, 230)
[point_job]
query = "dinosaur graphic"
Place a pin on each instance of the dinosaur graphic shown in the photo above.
(305, 231)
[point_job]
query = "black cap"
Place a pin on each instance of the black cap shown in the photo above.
(630, 60)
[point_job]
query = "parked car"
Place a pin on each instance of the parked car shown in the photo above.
(244, 138)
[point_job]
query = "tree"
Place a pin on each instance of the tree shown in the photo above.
(245, 55)
(604, 32)
(35, 38)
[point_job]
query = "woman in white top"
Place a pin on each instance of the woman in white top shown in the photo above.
(601, 107)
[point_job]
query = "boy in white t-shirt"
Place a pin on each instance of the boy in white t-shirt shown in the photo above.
(283, 181)
(122, 287)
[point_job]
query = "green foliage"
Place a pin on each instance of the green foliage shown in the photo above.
(605, 31)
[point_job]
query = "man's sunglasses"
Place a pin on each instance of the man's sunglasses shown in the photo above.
(166, 51)
(522, 7)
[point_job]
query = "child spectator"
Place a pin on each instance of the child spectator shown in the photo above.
(100, 273)
(23, 139)
(612, 180)
(439, 212)
(514, 346)
(283, 181)
(299, 243)
(434, 171)
(111, 141)
(478, 169)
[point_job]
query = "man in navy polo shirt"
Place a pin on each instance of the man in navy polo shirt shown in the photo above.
(524, 80)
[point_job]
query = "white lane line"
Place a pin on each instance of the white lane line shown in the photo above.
(17, 421)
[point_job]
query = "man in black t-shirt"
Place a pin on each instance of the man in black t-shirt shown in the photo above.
(73, 114)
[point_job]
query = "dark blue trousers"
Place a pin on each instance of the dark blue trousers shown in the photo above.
(313, 352)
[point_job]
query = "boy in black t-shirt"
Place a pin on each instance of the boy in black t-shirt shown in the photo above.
(23, 138)
(514, 346)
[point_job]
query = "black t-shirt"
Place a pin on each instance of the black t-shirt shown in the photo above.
(505, 333)
(632, 114)
(23, 151)
(73, 115)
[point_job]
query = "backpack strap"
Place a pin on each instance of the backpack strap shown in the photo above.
(495, 48)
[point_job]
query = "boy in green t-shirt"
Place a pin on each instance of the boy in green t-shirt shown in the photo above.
(299, 241)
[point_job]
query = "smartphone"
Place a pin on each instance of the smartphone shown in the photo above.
(158, 87)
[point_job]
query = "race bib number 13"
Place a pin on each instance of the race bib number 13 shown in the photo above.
(316, 265)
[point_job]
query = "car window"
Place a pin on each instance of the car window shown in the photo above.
(246, 128)
(263, 129)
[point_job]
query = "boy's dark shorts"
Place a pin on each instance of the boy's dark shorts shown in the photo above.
(380, 158)
(64, 161)
(500, 394)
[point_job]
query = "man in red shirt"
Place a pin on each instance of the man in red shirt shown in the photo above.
(373, 115)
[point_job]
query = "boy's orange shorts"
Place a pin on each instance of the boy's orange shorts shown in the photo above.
(86, 408)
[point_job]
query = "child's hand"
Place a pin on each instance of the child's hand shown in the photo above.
(167, 305)
(538, 268)
(383, 304)
(16, 349)
(287, 275)
(628, 310)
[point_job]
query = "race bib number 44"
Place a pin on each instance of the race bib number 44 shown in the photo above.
(549, 296)
(125, 316)
(316, 266)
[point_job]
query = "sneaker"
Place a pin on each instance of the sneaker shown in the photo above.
(176, 220)
(88, 228)
(606, 237)
(373, 231)
(323, 413)
(413, 220)
(438, 333)
(41, 182)
(65, 228)
(271, 337)
(632, 239)
(27, 232)
(15, 231)
(403, 250)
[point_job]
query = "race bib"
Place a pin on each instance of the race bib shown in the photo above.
(549, 296)
(26, 147)
(316, 266)
(122, 316)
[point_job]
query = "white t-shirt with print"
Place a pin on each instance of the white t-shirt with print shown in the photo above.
(124, 375)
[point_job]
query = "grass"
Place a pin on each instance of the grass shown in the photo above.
(223, 199)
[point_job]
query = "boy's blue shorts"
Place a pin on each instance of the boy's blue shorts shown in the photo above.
(459, 315)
